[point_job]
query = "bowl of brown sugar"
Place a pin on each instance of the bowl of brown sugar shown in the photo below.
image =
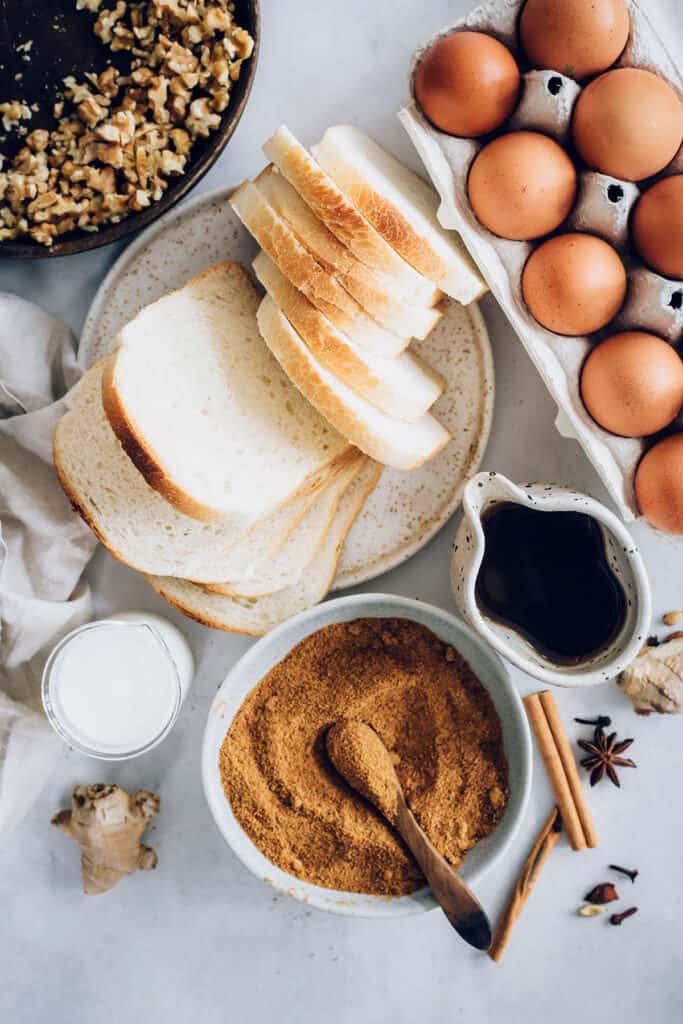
(445, 708)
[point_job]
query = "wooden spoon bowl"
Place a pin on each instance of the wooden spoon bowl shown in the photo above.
(360, 757)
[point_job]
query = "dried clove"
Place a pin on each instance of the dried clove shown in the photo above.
(602, 893)
(625, 871)
(618, 918)
(602, 721)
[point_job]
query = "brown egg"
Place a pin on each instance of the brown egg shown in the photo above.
(657, 226)
(628, 123)
(577, 37)
(574, 283)
(632, 384)
(467, 83)
(659, 484)
(522, 185)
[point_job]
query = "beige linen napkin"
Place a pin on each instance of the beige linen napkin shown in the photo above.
(43, 546)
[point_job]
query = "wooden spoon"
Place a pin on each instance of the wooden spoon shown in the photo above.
(360, 757)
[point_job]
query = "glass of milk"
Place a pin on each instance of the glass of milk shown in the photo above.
(113, 689)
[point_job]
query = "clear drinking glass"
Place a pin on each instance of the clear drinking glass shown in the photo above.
(112, 689)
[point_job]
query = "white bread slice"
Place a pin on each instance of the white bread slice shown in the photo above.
(389, 441)
(404, 387)
(269, 574)
(131, 519)
(263, 544)
(256, 616)
(298, 265)
(386, 307)
(203, 410)
(401, 206)
(342, 218)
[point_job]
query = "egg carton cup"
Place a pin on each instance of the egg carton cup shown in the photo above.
(602, 208)
(546, 103)
(654, 299)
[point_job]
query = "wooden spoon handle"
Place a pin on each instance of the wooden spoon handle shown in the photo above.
(458, 903)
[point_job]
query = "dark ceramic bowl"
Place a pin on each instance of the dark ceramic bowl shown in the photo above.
(63, 43)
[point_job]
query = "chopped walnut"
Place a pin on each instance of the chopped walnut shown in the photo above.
(13, 113)
(38, 140)
(181, 140)
(157, 95)
(90, 111)
(201, 119)
(108, 82)
(120, 138)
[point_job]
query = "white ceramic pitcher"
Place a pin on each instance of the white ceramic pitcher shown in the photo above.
(487, 489)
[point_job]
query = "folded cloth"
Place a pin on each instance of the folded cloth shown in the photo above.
(43, 546)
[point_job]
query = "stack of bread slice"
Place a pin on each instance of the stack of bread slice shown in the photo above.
(195, 461)
(355, 266)
(227, 445)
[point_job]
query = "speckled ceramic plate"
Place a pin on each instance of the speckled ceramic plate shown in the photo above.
(406, 509)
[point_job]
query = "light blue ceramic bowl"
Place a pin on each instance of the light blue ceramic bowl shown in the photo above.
(271, 649)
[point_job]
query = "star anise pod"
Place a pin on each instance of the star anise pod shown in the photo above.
(605, 756)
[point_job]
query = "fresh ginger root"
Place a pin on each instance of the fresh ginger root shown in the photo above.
(108, 823)
(654, 681)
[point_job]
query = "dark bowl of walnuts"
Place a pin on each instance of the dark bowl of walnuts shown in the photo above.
(111, 111)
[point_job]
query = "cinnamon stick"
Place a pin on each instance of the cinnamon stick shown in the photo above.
(556, 772)
(569, 764)
(540, 851)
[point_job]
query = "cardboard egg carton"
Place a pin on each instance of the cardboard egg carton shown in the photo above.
(602, 207)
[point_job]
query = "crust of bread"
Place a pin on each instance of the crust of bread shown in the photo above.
(395, 227)
(291, 256)
(187, 608)
(143, 456)
(324, 343)
(328, 249)
(146, 461)
(81, 506)
(299, 369)
(72, 498)
(156, 583)
(65, 484)
(402, 236)
(361, 282)
(342, 218)
(417, 321)
(75, 504)
(397, 230)
(333, 351)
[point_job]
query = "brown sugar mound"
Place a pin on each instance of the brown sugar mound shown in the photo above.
(431, 712)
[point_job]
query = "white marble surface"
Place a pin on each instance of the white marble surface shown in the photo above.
(200, 938)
